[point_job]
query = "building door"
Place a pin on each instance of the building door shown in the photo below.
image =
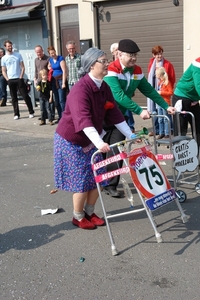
(70, 34)
(69, 27)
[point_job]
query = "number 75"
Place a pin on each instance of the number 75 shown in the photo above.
(154, 173)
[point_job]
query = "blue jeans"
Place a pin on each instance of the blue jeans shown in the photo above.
(3, 91)
(52, 109)
(60, 96)
(45, 107)
(130, 120)
(163, 122)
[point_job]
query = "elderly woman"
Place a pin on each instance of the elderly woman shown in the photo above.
(59, 79)
(79, 134)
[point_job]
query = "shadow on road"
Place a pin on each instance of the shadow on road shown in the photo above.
(30, 237)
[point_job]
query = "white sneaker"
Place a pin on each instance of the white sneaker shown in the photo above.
(16, 117)
(31, 116)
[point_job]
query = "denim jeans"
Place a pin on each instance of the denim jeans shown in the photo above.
(60, 96)
(45, 107)
(130, 119)
(3, 91)
(163, 122)
(52, 109)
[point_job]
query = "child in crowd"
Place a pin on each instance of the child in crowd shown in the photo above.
(45, 97)
(166, 91)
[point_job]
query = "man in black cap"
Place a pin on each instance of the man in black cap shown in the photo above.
(124, 77)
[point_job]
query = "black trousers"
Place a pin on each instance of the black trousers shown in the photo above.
(185, 119)
(14, 85)
(113, 135)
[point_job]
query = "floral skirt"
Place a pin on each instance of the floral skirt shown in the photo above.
(72, 167)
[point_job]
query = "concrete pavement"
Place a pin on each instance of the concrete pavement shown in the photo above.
(7, 122)
(24, 124)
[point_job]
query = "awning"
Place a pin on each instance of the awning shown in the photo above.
(22, 12)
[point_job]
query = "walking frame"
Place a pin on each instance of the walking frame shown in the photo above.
(151, 178)
(182, 159)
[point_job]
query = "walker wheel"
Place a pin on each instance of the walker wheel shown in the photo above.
(181, 196)
(197, 188)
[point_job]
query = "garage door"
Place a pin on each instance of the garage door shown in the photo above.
(148, 23)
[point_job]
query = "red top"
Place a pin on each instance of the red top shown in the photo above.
(85, 107)
(166, 91)
(169, 69)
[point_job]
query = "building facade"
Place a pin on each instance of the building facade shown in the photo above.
(24, 22)
(101, 23)
(148, 23)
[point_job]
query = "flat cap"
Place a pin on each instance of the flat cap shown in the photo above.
(128, 46)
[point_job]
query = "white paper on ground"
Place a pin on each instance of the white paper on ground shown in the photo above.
(48, 211)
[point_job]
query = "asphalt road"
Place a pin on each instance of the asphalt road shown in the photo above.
(40, 255)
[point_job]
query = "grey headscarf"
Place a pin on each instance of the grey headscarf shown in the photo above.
(88, 59)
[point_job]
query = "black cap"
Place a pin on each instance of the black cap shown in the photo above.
(128, 46)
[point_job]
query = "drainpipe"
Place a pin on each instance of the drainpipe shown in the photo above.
(97, 36)
(98, 30)
(92, 4)
(49, 22)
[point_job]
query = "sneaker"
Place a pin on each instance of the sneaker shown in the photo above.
(16, 117)
(166, 137)
(151, 133)
(83, 224)
(51, 123)
(42, 123)
(161, 136)
(112, 191)
(31, 116)
(95, 220)
(2, 102)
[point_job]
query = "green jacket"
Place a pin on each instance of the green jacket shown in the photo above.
(123, 91)
(188, 85)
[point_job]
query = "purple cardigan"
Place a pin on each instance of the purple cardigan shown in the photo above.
(85, 108)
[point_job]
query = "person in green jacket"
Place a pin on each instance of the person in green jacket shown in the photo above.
(186, 97)
(124, 77)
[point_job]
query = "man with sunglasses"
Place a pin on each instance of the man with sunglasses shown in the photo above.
(124, 77)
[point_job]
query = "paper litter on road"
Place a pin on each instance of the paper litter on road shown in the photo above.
(48, 211)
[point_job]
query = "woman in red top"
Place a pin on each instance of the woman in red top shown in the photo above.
(80, 133)
(166, 91)
(155, 62)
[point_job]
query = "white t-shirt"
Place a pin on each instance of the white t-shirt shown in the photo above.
(12, 64)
